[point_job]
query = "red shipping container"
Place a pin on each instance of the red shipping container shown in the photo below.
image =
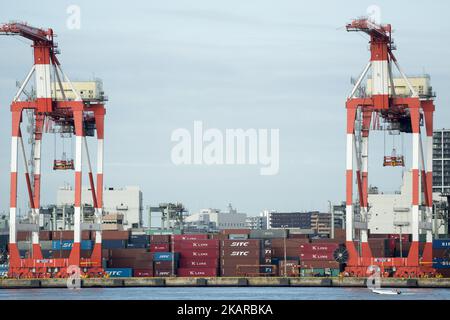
(240, 252)
(143, 273)
(196, 244)
(160, 238)
(289, 243)
(45, 235)
(204, 253)
(160, 247)
(68, 235)
(317, 256)
(218, 236)
(241, 243)
(23, 236)
(113, 235)
(290, 252)
(197, 272)
(177, 237)
(164, 264)
(318, 247)
(205, 263)
(228, 263)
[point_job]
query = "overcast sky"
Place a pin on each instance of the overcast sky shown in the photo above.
(232, 64)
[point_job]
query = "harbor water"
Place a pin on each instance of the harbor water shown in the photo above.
(219, 294)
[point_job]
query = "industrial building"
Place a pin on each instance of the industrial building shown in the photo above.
(126, 201)
(213, 219)
(314, 222)
(441, 161)
(256, 222)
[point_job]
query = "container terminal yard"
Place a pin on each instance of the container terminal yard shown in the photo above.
(107, 255)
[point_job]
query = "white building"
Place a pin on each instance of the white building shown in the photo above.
(127, 201)
(215, 219)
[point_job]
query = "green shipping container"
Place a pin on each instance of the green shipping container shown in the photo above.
(163, 232)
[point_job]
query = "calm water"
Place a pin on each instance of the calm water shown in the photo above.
(219, 294)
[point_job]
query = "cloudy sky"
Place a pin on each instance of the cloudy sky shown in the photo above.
(260, 64)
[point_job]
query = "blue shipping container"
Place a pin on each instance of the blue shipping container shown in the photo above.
(67, 244)
(441, 244)
(137, 245)
(139, 239)
(114, 244)
(441, 264)
(164, 256)
(119, 272)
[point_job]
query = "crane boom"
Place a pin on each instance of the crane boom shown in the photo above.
(37, 35)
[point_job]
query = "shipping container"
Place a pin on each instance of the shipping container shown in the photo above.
(269, 234)
(317, 256)
(136, 245)
(130, 263)
(129, 253)
(240, 252)
(159, 247)
(114, 244)
(218, 236)
(68, 244)
(113, 235)
(165, 264)
(119, 272)
(441, 244)
(288, 243)
(318, 247)
(143, 273)
(178, 237)
(68, 235)
(165, 256)
(205, 263)
(290, 252)
(240, 243)
(195, 244)
(45, 235)
(238, 236)
(197, 272)
(232, 262)
(164, 273)
(203, 253)
(163, 232)
(159, 238)
(138, 238)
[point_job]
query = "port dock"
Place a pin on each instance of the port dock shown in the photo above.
(225, 282)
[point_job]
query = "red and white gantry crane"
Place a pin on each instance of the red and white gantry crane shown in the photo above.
(80, 117)
(406, 113)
